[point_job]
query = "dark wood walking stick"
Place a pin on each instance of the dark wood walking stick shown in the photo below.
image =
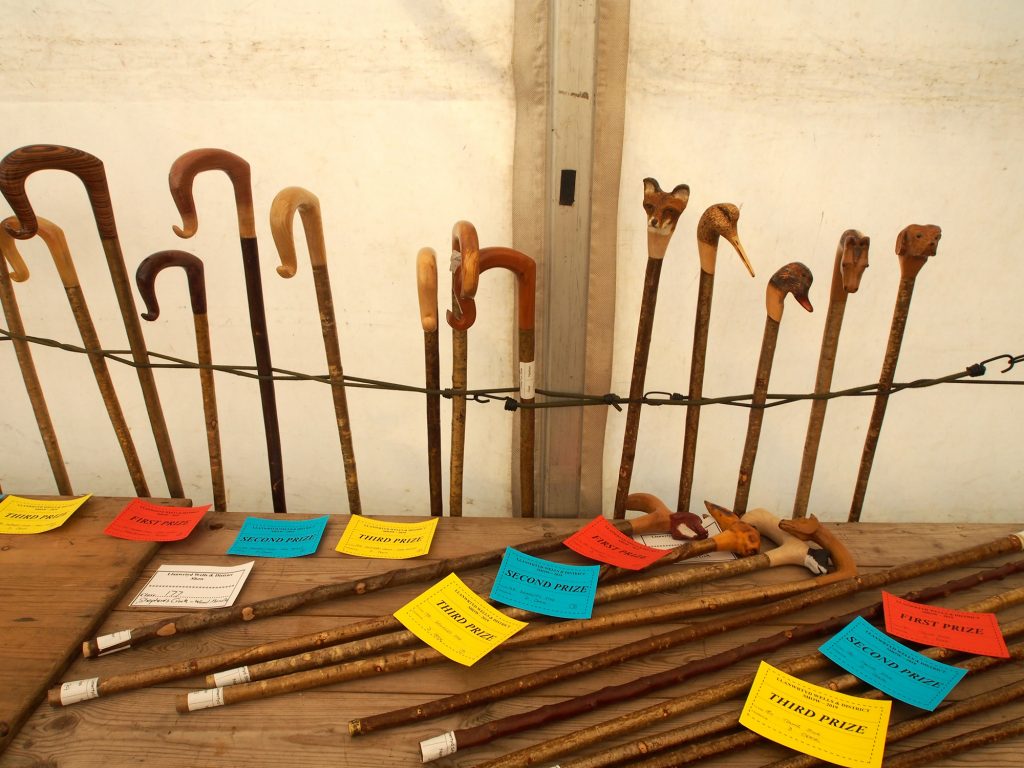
(957, 744)
(180, 179)
(14, 170)
(465, 267)
(53, 236)
(716, 222)
(663, 211)
(794, 278)
(914, 246)
(19, 273)
(282, 218)
(145, 277)
(850, 262)
(426, 289)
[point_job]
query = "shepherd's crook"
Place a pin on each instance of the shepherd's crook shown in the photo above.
(145, 277)
(913, 246)
(850, 263)
(793, 278)
(426, 287)
(14, 170)
(663, 211)
(181, 177)
(19, 273)
(282, 217)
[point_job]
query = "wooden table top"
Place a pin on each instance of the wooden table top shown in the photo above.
(75, 582)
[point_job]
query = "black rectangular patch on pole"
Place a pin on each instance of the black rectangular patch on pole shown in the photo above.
(567, 187)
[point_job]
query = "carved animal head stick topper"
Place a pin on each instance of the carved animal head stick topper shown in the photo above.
(663, 212)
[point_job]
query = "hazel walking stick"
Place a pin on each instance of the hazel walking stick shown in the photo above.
(426, 287)
(19, 273)
(716, 222)
(55, 241)
(793, 278)
(465, 273)
(282, 217)
(14, 170)
(913, 246)
(850, 262)
(145, 277)
(180, 179)
(663, 211)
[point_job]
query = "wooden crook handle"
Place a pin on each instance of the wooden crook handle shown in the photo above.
(55, 241)
(182, 176)
(426, 288)
(466, 243)
(282, 219)
(810, 529)
(525, 270)
(151, 266)
(19, 164)
(9, 251)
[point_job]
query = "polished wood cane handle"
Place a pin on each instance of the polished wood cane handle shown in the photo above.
(525, 270)
(21, 163)
(287, 203)
(182, 176)
(17, 269)
(426, 288)
(153, 265)
(465, 276)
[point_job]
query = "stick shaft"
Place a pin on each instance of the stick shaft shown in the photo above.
(432, 365)
(701, 324)
(756, 417)
(460, 354)
(204, 354)
(527, 422)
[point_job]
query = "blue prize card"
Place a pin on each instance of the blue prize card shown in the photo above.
(278, 538)
(890, 666)
(553, 589)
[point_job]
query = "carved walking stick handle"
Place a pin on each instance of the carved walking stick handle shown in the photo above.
(426, 288)
(151, 266)
(465, 276)
(282, 219)
(182, 176)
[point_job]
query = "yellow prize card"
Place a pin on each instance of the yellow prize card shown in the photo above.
(18, 515)
(453, 620)
(841, 729)
(366, 537)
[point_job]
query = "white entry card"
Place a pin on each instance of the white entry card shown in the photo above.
(193, 586)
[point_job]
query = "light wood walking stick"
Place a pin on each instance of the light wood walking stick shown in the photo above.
(14, 170)
(145, 278)
(663, 210)
(716, 222)
(465, 266)
(180, 179)
(850, 262)
(654, 522)
(282, 217)
(794, 278)
(19, 273)
(426, 288)
(915, 244)
(55, 241)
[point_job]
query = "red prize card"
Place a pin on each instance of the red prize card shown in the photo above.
(976, 633)
(142, 521)
(600, 540)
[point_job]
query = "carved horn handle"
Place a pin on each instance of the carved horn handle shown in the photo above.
(282, 219)
(151, 266)
(183, 173)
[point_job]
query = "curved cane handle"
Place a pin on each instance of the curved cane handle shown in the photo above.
(151, 266)
(183, 173)
(57, 244)
(282, 219)
(656, 518)
(914, 244)
(426, 288)
(525, 270)
(18, 271)
(809, 528)
(19, 164)
(790, 549)
(465, 276)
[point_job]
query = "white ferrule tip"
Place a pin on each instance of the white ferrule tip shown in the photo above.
(79, 690)
(235, 676)
(211, 697)
(438, 747)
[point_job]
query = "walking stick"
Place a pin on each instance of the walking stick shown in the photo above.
(14, 170)
(913, 246)
(217, 617)
(465, 273)
(145, 277)
(957, 744)
(850, 262)
(699, 700)
(55, 241)
(282, 217)
(489, 731)
(180, 179)
(663, 211)
(716, 222)
(793, 278)
(426, 286)
(19, 273)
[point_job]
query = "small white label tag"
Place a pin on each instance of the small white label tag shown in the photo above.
(438, 747)
(527, 390)
(234, 676)
(105, 642)
(456, 261)
(79, 690)
(211, 697)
